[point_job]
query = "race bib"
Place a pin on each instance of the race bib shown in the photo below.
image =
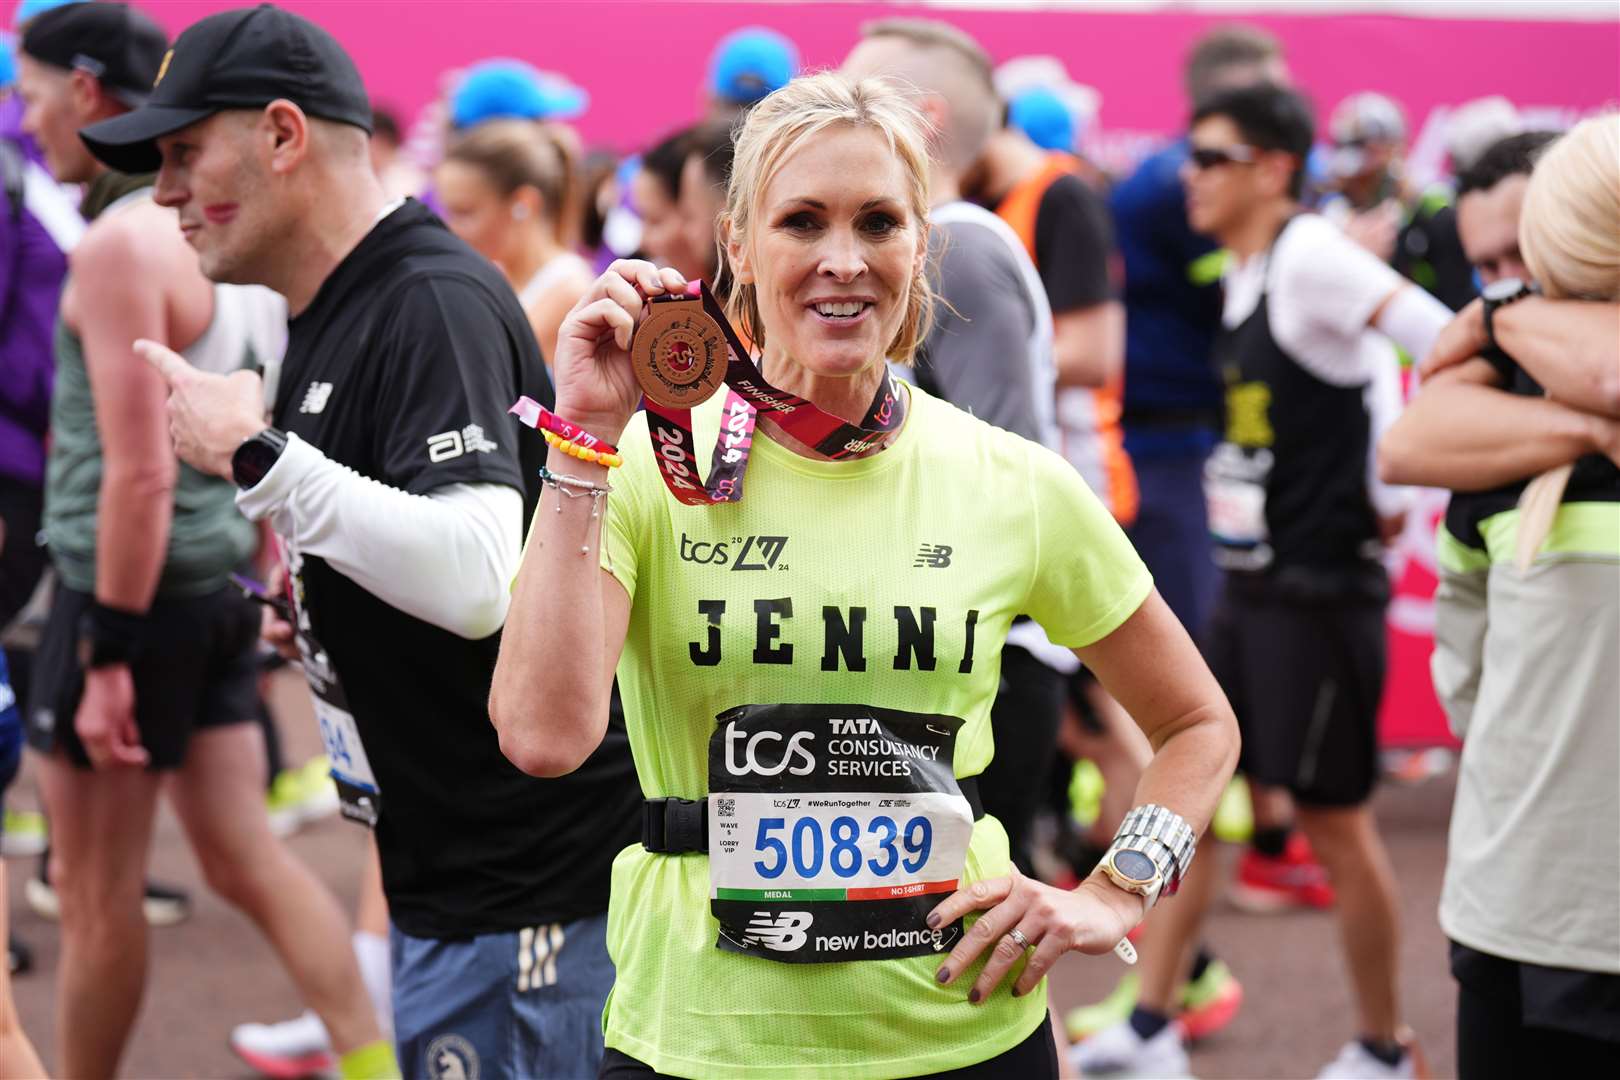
(833, 831)
(1235, 497)
(359, 798)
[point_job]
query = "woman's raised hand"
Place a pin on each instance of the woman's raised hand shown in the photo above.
(596, 388)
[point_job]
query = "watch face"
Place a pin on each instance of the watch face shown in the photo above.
(1135, 865)
(1505, 289)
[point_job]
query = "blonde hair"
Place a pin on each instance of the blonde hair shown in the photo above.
(1569, 233)
(1569, 230)
(801, 110)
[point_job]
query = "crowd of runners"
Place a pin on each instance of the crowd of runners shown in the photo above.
(800, 729)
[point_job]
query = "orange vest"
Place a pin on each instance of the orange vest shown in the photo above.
(1020, 208)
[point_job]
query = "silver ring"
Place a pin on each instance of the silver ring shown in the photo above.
(1018, 936)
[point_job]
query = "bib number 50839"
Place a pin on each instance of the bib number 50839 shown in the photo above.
(841, 846)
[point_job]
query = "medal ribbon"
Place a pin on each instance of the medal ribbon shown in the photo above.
(747, 394)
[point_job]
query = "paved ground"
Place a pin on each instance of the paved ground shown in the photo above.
(213, 971)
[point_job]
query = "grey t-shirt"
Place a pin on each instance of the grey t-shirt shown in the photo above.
(990, 351)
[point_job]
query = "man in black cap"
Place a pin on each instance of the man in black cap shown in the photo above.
(146, 668)
(399, 486)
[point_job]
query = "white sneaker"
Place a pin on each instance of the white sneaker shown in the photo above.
(1355, 1063)
(1117, 1050)
(285, 1051)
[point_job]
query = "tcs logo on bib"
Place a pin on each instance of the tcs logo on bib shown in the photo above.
(795, 758)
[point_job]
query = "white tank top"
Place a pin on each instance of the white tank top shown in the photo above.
(549, 275)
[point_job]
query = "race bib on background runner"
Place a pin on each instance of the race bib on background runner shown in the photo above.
(1235, 496)
(833, 831)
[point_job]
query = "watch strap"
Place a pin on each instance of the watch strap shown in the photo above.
(1491, 303)
(1166, 828)
(256, 456)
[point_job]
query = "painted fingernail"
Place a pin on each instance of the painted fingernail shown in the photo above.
(1017, 992)
(973, 996)
(933, 921)
(943, 975)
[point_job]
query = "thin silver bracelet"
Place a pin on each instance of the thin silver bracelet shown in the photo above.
(575, 488)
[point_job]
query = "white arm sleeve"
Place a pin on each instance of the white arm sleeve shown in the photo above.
(1383, 398)
(446, 558)
(1413, 319)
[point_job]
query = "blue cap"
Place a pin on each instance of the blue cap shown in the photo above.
(8, 65)
(751, 63)
(1042, 115)
(29, 8)
(511, 89)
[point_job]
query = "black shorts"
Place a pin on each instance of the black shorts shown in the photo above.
(1024, 723)
(1305, 679)
(196, 670)
(1517, 1019)
(1033, 1059)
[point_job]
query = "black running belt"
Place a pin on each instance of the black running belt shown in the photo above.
(681, 826)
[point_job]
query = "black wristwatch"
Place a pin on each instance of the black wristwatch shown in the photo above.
(1500, 294)
(256, 456)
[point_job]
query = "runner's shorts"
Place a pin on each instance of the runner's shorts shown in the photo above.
(522, 1004)
(195, 670)
(1305, 679)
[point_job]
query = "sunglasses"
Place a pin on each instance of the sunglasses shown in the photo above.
(1207, 157)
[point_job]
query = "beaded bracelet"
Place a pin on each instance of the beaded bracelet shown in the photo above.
(606, 455)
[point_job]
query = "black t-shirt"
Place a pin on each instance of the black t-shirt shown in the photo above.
(1073, 242)
(403, 368)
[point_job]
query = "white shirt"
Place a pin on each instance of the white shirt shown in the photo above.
(1324, 287)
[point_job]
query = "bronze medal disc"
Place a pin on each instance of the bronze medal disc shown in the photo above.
(678, 354)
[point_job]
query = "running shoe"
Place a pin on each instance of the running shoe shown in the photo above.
(1119, 1051)
(1083, 1022)
(301, 796)
(1355, 1063)
(1292, 880)
(285, 1051)
(1210, 1002)
(163, 905)
(25, 834)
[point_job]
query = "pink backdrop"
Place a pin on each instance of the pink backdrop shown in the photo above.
(644, 63)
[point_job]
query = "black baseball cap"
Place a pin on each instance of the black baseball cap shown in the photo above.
(242, 59)
(120, 46)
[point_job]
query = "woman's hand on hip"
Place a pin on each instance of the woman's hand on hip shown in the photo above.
(1052, 921)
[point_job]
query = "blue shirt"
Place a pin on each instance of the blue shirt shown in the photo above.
(1172, 305)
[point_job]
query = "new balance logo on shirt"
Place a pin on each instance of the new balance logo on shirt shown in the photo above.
(934, 556)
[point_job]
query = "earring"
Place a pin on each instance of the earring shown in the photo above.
(519, 212)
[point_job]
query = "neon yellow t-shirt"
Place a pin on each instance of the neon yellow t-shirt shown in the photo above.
(955, 517)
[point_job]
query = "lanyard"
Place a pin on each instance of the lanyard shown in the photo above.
(676, 355)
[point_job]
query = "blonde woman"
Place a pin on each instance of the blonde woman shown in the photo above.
(1531, 899)
(808, 670)
(506, 187)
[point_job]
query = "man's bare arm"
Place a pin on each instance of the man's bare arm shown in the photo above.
(1464, 433)
(118, 301)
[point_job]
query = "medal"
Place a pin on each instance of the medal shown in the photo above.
(678, 353)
